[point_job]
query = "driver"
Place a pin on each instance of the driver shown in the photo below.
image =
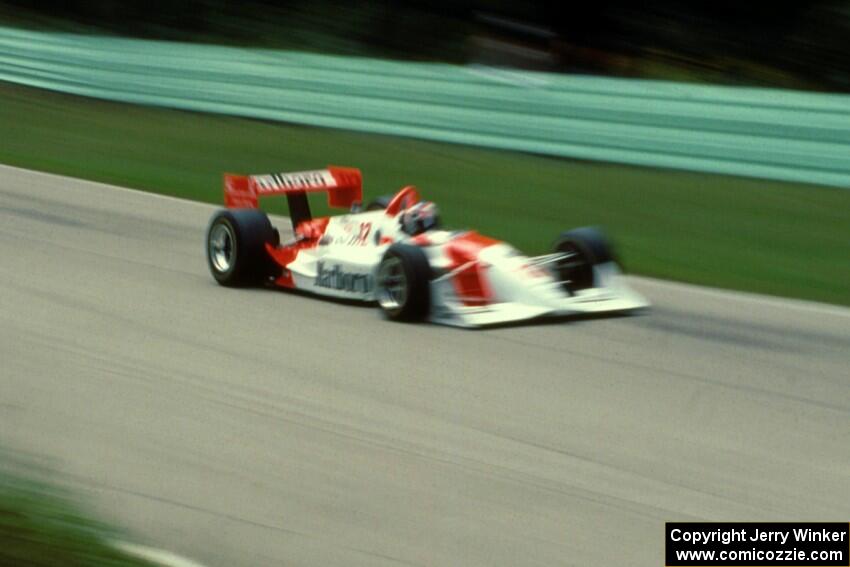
(419, 218)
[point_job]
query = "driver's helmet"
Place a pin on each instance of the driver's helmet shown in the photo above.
(420, 217)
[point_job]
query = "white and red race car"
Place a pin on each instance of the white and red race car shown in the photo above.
(395, 253)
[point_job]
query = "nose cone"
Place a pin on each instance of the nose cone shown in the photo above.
(513, 278)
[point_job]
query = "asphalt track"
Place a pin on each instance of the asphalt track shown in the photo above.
(255, 427)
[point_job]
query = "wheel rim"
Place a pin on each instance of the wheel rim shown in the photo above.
(221, 247)
(392, 285)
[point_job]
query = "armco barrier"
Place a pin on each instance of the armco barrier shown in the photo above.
(776, 134)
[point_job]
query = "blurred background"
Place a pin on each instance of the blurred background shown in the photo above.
(787, 44)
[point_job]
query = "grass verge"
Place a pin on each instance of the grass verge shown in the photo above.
(776, 238)
(40, 526)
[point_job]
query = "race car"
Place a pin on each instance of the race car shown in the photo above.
(395, 253)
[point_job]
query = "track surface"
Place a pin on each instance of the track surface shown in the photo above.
(253, 427)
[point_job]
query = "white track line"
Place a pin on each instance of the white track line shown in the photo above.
(155, 556)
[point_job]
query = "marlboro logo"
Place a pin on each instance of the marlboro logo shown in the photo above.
(337, 278)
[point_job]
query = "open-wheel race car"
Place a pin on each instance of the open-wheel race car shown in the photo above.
(394, 252)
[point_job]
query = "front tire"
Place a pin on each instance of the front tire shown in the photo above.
(585, 247)
(403, 287)
(236, 247)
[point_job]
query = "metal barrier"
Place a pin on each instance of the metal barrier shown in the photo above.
(766, 133)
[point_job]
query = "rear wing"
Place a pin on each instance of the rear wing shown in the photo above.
(344, 186)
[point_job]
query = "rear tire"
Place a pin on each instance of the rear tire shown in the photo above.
(587, 246)
(403, 286)
(236, 247)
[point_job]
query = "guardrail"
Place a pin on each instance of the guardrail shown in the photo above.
(775, 134)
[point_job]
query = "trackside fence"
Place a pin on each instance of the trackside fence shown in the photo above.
(765, 133)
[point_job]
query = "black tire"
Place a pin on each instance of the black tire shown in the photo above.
(236, 247)
(408, 267)
(587, 247)
(379, 203)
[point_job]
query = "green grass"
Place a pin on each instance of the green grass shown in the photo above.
(41, 526)
(777, 238)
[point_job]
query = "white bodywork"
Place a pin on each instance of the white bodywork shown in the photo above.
(345, 262)
(522, 294)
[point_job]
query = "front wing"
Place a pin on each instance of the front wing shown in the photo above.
(612, 295)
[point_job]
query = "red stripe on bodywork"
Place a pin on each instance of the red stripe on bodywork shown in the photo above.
(308, 233)
(405, 198)
(285, 279)
(313, 228)
(470, 282)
